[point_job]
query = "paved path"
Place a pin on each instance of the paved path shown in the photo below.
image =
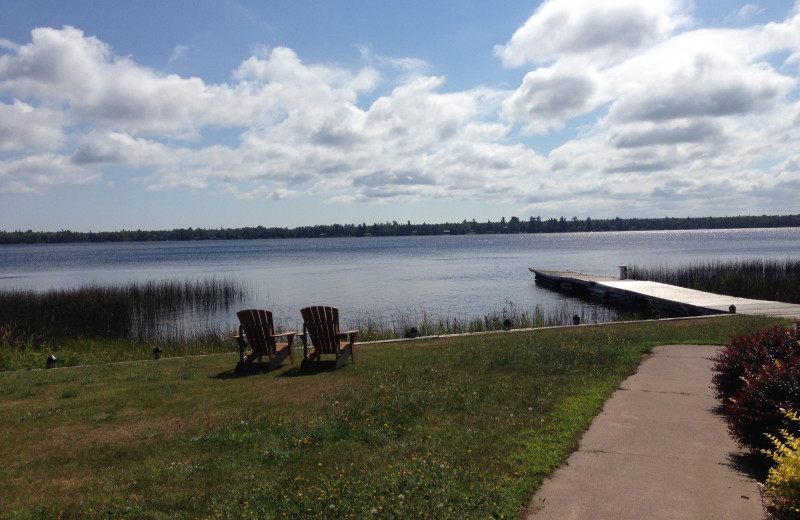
(656, 451)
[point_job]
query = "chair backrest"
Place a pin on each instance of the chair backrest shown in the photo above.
(258, 328)
(322, 324)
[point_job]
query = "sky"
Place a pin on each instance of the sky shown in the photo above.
(161, 114)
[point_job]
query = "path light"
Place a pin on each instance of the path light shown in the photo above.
(576, 320)
(52, 362)
(732, 309)
(157, 352)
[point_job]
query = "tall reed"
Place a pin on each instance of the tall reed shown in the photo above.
(148, 311)
(415, 322)
(756, 278)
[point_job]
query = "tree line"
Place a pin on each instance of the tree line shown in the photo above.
(465, 227)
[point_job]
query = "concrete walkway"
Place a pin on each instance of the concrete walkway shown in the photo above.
(657, 450)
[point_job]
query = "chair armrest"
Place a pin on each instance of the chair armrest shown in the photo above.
(351, 334)
(288, 335)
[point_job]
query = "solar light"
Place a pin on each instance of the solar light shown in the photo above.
(52, 362)
(157, 352)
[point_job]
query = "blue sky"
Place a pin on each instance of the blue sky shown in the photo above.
(209, 113)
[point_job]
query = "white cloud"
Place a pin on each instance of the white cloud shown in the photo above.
(22, 127)
(549, 96)
(8, 44)
(41, 172)
(178, 53)
(744, 13)
(678, 115)
(606, 29)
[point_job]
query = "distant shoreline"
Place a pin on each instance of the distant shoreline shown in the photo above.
(513, 226)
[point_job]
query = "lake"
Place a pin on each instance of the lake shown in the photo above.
(450, 276)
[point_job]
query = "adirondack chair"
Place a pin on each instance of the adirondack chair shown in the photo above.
(322, 325)
(257, 331)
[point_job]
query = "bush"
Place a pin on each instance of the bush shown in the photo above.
(756, 409)
(755, 377)
(748, 354)
(783, 482)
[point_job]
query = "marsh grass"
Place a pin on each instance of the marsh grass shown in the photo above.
(458, 427)
(96, 324)
(142, 311)
(93, 325)
(420, 322)
(757, 278)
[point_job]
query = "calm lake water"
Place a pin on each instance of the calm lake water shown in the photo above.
(451, 276)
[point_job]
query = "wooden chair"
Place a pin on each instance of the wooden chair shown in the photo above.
(322, 325)
(257, 331)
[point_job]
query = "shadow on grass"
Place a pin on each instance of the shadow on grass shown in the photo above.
(310, 368)
(305, 369)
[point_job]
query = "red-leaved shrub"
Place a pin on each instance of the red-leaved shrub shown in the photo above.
(755, 377)
(747, 354)
(757, 409)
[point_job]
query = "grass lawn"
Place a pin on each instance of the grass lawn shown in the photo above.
(457, 427)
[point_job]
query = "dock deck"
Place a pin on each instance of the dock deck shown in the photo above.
(666, 298)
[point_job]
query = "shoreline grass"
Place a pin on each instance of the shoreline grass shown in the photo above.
(421, 323)
(459, 427)
(141, 311)
(176, 316)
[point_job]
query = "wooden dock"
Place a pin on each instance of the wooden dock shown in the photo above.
(663, 298)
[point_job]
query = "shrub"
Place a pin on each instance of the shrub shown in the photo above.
(754, 377)
(756, 409)
(748, 354)
(783, 482)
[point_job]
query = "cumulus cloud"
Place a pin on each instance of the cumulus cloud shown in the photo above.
(22, 127)
(656, 112)
(562, 28)
(549, 96)
(299, 126)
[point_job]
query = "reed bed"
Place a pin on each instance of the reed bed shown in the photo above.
(756, 278)
(101, 324)
(418, 322)
(168, 310)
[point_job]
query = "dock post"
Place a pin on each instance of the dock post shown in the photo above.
(623, 272)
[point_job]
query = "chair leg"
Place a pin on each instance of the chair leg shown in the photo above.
(278, 358)
(343, 355)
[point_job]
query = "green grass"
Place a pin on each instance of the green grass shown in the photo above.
(459, 427)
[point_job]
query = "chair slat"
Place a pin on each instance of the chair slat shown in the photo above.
(321, 323)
